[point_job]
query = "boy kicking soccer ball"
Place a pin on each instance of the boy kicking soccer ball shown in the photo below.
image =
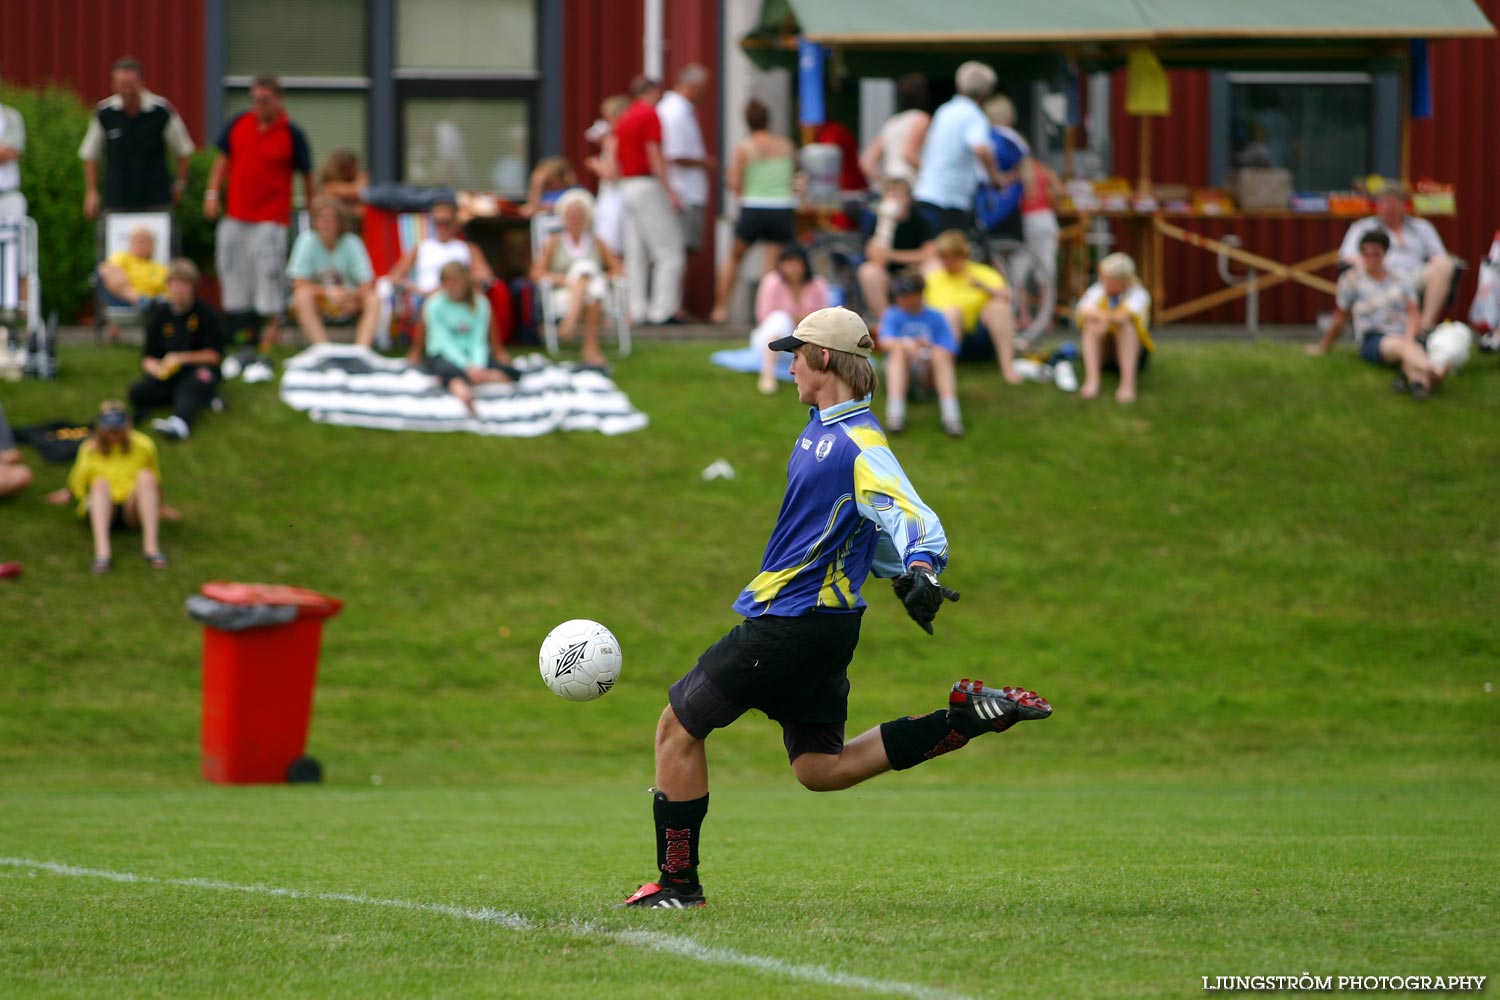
(849, 510)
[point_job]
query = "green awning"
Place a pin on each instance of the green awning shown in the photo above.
(982, 23)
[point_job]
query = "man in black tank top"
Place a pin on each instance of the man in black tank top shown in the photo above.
(135, 130)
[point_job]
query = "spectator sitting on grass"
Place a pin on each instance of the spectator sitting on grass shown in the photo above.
(116, 480)
(786, 295)
(1416, 253)
(1384, 307)
(919, 346)
(133, 276)
(1113, 318)
(14, 475)
(578, 268)
(181, 356)
(453, 341)
(418, 270)
(976, 301)
(332, 279)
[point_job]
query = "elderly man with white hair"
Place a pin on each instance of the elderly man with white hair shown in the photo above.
(576, 267)
(957, 153)
(1416, 256)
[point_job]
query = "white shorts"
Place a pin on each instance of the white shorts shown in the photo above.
(251, 258)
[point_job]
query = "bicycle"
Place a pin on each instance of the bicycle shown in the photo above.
(1033, 292)
(837, 257)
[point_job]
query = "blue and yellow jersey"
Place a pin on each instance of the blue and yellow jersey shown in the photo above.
(849, 509)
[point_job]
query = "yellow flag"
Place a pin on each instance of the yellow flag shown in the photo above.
(1147, 91)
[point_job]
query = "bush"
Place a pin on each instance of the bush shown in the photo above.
(52, 181)
(196, 233)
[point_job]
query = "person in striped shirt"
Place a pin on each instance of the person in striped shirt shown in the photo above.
(849, 510)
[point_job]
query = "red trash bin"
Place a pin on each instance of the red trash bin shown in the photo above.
(258, 686)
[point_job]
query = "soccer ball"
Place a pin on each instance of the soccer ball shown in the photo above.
(1448, 346)
(580, 660)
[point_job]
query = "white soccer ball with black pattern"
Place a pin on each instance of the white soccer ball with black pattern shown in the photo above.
(580, 660)
(1448, 347)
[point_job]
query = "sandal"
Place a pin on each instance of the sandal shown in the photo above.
(1420, 391)
(102, 564)
(156, 559)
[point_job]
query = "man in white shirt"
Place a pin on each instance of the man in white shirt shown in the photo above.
(1417, 255)
(688, 162)
(957, 153)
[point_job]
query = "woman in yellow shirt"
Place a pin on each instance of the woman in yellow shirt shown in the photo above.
(117, 482)
(134, 277)
(976, 302)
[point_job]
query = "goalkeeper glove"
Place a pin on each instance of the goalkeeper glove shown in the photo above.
(918, 589)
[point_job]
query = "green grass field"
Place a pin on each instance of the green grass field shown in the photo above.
(1262, 601)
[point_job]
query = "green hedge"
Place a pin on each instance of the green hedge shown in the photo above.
(52, 181)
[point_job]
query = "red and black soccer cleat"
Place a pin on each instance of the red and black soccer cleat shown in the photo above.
(996, 708)
(655, 896)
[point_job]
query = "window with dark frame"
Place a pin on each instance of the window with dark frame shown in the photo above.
(467, 82)
(1319, 126)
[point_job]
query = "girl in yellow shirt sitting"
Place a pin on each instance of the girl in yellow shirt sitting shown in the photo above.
(117, 482)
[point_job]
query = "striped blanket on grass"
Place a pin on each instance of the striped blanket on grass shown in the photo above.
(355, 387)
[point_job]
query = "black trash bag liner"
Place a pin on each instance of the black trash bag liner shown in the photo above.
(238, 617)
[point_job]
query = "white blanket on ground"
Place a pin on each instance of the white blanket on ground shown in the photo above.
(355, 387)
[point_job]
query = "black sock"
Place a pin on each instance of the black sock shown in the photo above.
(242, 326)
(677, 826)
(916, 738)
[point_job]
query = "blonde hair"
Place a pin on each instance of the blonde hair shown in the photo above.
(456, 269)
(614, 106)
(579, 197)
(339, 165)
(1118, 265)
(328, 203)
(145, 231)
(951, 242)
(184, 269)
(557, 170)
(851, 369)
(1000, 110)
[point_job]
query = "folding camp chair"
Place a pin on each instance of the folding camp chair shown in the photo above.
(113, 236)
(616, 298)
(21, 298)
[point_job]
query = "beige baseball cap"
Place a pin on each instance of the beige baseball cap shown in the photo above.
(836, 328)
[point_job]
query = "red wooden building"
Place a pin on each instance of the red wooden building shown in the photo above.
(382, 79)
(1458, 144)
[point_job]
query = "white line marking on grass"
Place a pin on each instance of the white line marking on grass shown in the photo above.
(673, 944)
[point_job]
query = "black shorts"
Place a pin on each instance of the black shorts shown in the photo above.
(116, 519)
(765, 225)
(793, 669)
(448, 371)
(940, 219)
(1112, 363)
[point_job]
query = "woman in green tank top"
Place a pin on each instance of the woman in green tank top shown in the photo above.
(762, 175)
